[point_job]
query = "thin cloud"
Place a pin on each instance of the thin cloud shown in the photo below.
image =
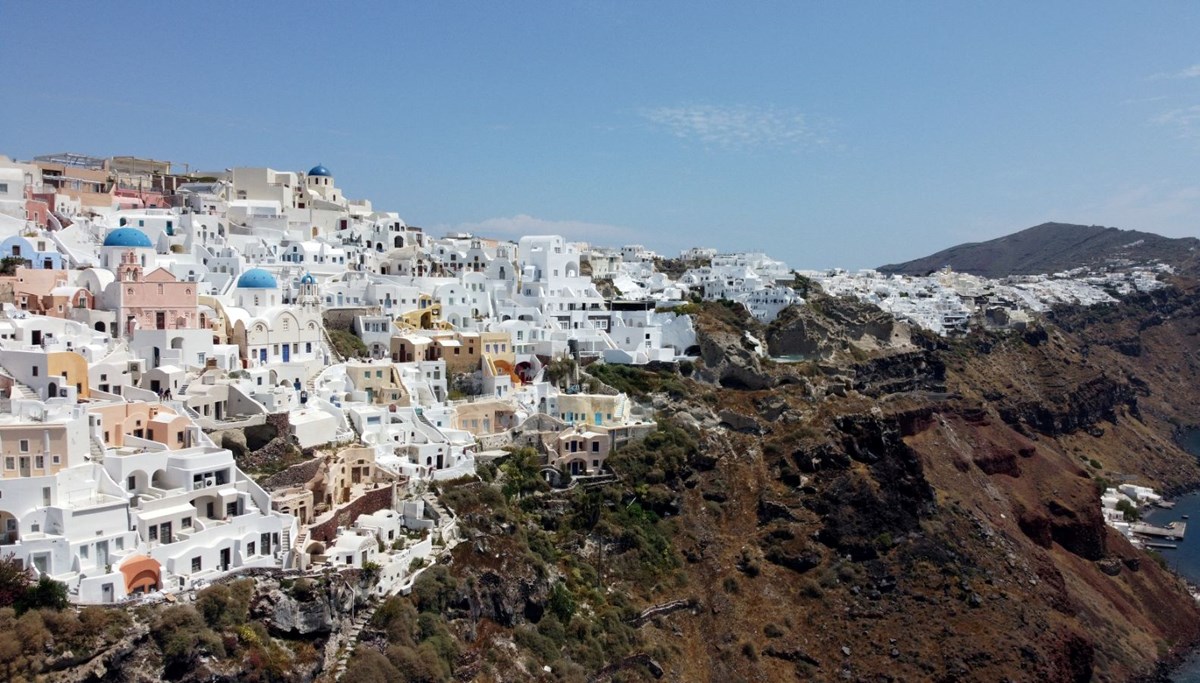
(524, 224)
(738, 127)
(1145, 100)
(1185, 121)
(1192, 71)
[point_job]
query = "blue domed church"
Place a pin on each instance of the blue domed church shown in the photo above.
(282, 340)
(120, 241)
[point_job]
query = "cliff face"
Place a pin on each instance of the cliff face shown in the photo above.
(889, 507)
(936, 516)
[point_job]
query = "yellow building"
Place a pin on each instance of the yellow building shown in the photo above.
(72, 368)
(381, 381)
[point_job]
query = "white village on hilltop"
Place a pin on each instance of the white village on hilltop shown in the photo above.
(158, 327)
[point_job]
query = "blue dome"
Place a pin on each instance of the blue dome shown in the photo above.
(308, 279)
(320, 170)
(127, 237)
(256, 278)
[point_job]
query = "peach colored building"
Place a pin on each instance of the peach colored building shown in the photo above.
(41, 292)
(381, 381)
(90, 187)
(155, 301)
(33, 450)
(581, 449)
(149, 421)
(462, 351)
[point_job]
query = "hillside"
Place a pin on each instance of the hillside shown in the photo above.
(1051, 248)
(897, 508)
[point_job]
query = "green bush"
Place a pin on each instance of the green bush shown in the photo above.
(226, 605)
(663, 454)
(45, 594)
(182, 635)
(561, 603)
(433, 588)
(1132, 514)
(637, 381)
(522, 473)
(347, 344)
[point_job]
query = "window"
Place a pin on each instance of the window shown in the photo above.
(35, 371)
(57, 460)
(595, 446)
(265, 543)
(153, 531)
(10, 463)
(196, 564)
(120, 543)
(185, 523)
(24, 445)
(250, 548)
(83, 551)
(39, 462)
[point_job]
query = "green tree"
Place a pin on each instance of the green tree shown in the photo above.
(14, 580)
(522, 473)
(45, 594)
(1132, 514)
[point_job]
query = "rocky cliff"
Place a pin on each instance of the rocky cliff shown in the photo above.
(888, 506)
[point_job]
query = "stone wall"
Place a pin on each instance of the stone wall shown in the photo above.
(491, 442)
(371, 501)
(343, 318)
(296, 475)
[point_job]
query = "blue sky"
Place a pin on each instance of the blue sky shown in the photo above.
(826, 134)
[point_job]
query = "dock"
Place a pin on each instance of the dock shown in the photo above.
(1174, 530)
(1161, 546)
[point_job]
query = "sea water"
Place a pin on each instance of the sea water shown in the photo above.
(1186, 558)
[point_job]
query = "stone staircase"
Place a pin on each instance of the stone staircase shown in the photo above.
(22, 390)
(298, 546)
(357, 625)
(96, 448)
(333, 352)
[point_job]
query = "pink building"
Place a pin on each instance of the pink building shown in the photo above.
(44, 292)
(157, 301)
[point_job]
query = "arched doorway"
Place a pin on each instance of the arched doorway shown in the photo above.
(9, 528)
(159, 480)
(315, 552)
(142, 574)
